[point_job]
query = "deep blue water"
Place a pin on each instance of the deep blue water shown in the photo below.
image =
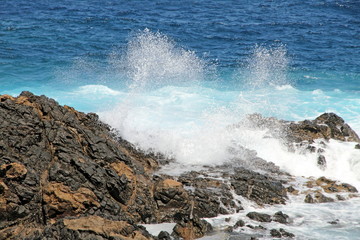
(38, 37)
(55, 47)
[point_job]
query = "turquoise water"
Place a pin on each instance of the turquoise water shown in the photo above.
(172, 75)
(54, 48)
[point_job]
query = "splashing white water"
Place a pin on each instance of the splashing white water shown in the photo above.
(153, 60)
(267, 67)
(191, 123)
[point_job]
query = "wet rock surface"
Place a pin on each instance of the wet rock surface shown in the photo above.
(258, 187)
(260, 217)
(210, 195)
(281, 233)
(324, 190)
(326, 126)
(191, 228)
(281, 217)
(66, 175)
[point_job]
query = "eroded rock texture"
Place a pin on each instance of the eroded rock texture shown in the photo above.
(326, 126)
(59, 167)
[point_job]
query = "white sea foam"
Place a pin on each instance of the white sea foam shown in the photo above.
(310, 77)
(192, 124)
(155, 229)
(317, 92)
(96, 89)
(284, 87)
(307, 221)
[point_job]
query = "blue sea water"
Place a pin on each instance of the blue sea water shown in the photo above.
(171, 75)
(53, 47)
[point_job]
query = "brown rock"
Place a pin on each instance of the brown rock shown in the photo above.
(105, 227)
(171, 199)
(170, 183)
(61, 200)
(331, 186)
(189, 229)
(260, 217)
(318, 197)
(13, 171)
(326, 126)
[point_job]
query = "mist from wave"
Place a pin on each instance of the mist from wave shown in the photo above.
(170, 108)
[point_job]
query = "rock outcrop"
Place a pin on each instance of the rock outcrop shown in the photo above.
(258, 187)
(326, 126)
(191, 228)
(59, 167)
(66, 175)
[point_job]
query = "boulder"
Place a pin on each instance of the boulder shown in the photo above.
(260, 217)
(239, 223)
(281, 233)
(326, 126)
(317, 197)
(171, 198)
(331, 186)
(281, 217)
(163, 235)
(191, 228)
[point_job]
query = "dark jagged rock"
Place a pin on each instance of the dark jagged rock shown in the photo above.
(239, 223)
(210, 196)
(318, 197)
(163, 235)
(286, 234)
(260, 217)
(334, 222)
(321, 161)
(326, 126)
(281, 217)
(309, 199)
(248, 159)
(257, 187)
(291, 189)
(275, 233)
(59, 166)
(171, 199)
(281, 233)
(57, 163)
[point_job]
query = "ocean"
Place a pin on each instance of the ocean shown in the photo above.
(171, 76)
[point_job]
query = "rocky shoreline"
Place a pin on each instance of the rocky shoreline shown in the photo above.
(66, 175)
